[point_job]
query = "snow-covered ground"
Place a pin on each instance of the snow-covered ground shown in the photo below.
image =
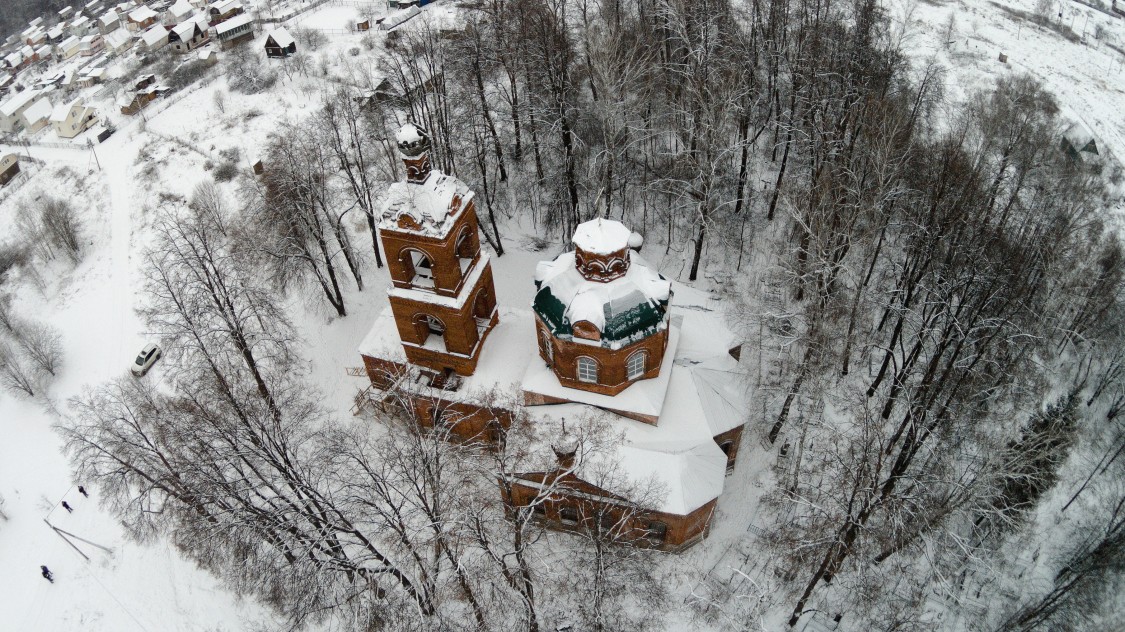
(127, 586)
(1084, 75)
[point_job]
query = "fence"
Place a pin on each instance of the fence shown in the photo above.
(292, 14)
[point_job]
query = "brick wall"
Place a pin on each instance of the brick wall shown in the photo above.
(612, 375)
(682, 531)
(734, 437)
(442, 252)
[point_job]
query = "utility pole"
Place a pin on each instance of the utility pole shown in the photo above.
(90, 144)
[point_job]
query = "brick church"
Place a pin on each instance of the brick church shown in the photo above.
(607, 340)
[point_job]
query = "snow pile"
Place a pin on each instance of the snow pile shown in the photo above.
(602, 236)
(410, 135)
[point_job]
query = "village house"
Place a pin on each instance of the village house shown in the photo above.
(223, 10)
(68, 48)
(37, 115)
(14, 61)
(187, 36)
(119, 41)
(9, 168)
(65, 12)
(71, 119)
(56, 34)
(109, 22)
(35, 37)
(279, 43)
(91, 45)
(154, 38)
(234, 31)
(82, 26)
(29, 55)
(178, 12)
(605, 349)
(141, 19)
(11, 111)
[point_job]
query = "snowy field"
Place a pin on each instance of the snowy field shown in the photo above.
(103, 582)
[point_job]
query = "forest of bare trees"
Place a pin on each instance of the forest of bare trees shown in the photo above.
(948, 309)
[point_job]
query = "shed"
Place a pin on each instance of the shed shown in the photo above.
(279, 43)
(9, 167)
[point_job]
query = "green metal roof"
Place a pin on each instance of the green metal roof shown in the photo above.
(626, 319)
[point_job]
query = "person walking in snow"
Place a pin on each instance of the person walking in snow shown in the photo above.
(67, 507)
(82, 490)
(47, 574)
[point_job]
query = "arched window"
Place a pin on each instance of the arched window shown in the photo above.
(420, 266)
(465, 247)
(568, 515)
(635, 365)
(428, 326)
(656, 531)
(587, 370)
(548, 350)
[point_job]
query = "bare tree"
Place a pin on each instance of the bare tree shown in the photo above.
(15, 373)
(42, 344)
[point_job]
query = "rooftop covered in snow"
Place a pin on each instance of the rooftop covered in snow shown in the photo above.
(624, 310)
(431, 206)
(602, 236)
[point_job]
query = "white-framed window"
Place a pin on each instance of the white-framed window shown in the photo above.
(587, 370)
(635, 365)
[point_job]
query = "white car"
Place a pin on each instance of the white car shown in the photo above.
(145, 359)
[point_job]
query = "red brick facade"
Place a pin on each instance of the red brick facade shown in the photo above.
(459, 246)
(571, 504)
(612, 364)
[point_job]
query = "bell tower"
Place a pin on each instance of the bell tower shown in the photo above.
(441, 293)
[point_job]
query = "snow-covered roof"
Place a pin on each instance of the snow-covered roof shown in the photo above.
(432, 204)
(409, 134)
(241, 19)
(155, 35)
(109, 17)
(601, 236)
(119, 38)
(222, 6)
(184, 30)
(62, 111)
(181, 9)
(1079, 136)
(281, 37)
(14, 59)
(18, 102)
(55, 32)
(142, 13)
(38, 111)
(622, 309)
(69, 43)
(207, 54)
